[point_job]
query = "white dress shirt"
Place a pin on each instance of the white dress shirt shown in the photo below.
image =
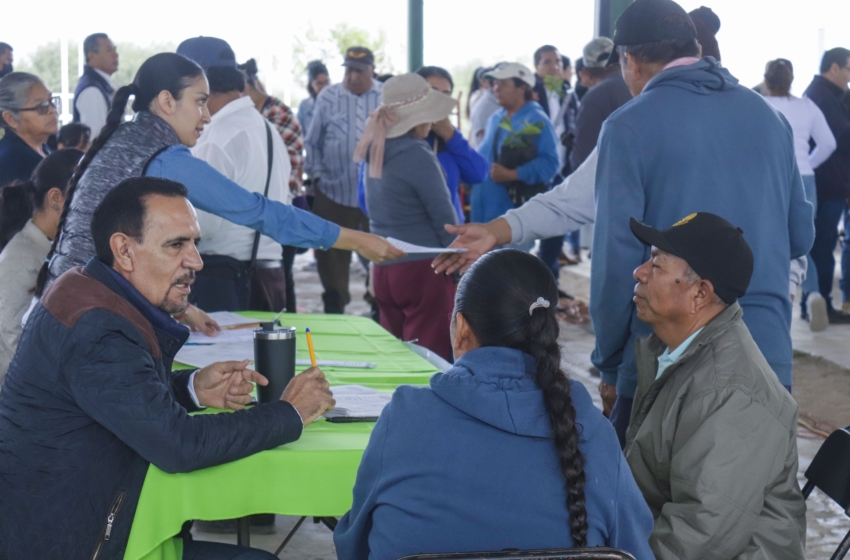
(235, 144)
(93, 107)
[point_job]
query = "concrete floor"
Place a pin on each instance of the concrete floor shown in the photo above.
(827, 524)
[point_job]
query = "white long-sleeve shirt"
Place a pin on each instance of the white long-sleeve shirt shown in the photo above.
(806, 121)
(571, 205)
(236, 145)
(563, 209)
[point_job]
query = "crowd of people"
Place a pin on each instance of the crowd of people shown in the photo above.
(713, 206)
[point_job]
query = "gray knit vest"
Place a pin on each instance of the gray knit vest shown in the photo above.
(126, 154)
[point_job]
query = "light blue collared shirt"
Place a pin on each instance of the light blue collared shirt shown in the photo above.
(339, 119)
(668, 358)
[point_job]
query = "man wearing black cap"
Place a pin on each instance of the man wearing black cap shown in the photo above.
(339, 118)
(691, 140)
(712, 444)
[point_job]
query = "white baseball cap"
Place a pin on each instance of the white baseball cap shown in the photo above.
(507, 70)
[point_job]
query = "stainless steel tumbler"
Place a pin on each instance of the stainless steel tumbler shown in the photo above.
(274, 357)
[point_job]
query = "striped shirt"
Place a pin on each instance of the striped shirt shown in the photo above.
(339, 118)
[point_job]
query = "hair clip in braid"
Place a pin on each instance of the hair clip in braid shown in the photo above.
(539, 303)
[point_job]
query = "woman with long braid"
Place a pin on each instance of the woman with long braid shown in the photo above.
(503, 450)
(170, 94)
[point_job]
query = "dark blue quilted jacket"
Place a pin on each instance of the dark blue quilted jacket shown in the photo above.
(88, 403)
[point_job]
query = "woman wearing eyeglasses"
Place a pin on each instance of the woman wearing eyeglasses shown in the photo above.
(29, 117)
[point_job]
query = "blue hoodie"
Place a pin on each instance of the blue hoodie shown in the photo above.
(489, 199)
(469, 464)
(695, 141)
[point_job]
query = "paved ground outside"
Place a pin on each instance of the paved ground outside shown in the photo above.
(821, 387)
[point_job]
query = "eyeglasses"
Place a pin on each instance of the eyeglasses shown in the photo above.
(44, 107)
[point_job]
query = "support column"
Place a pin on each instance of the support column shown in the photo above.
(415, 35)
(607, 12)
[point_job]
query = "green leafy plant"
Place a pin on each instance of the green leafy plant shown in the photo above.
(522, 137)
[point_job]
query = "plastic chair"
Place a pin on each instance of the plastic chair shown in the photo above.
(830, 472)
(598, 553)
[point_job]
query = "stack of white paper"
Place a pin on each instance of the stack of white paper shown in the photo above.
(410, 248)
(357, 401)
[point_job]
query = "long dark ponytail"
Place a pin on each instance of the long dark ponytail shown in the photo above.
(162, 72)
(20, 200)
(494, 297)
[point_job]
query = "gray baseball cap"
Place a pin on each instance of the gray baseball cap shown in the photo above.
(597, 52)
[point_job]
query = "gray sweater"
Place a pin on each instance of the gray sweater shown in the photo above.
(411, 201)
(124, 155)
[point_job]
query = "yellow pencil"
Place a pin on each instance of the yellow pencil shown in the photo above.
(310, 347)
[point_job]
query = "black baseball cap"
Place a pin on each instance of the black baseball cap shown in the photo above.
(714, 249)
(648, 21)
(359, 58)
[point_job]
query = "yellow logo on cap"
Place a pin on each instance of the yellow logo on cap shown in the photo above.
(355, 54)
(685, 220)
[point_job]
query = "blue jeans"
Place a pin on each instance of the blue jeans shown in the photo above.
(550, 250)
(574, 239)
(826, 236)
(845, 258)
(810, 284)
(202, 550)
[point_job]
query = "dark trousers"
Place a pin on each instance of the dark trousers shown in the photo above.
(416, 304)
(828, 215)
(550, 250)
(621, 413)
(333, 265)
(202, 550)
(289, 253)
(223, 285)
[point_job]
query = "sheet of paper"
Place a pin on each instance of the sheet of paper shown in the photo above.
(409, 248)
(232, 335)
(357, 401)
(206, 354)
(228, 319)
(336, 363)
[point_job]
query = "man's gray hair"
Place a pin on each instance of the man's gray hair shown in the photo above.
(692, 277)
(15, 89)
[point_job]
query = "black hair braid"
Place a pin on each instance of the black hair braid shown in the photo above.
(494, 297)
(113, 121)
(542, 344)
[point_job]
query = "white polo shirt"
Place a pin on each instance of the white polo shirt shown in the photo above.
(235, 144)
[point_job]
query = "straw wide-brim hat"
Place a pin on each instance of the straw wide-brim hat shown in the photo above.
(415, 102)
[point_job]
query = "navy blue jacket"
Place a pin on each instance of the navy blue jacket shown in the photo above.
(469, 464)
(88, 403)
(91, 78)
(832, 177)
(17, 159)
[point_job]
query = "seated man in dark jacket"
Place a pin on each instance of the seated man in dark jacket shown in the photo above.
(713, 437)
(90, 400)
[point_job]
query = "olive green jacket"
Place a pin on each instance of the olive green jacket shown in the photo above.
(713, 447)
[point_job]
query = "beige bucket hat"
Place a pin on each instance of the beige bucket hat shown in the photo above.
(407, 101)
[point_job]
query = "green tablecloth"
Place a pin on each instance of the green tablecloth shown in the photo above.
(313, 476)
